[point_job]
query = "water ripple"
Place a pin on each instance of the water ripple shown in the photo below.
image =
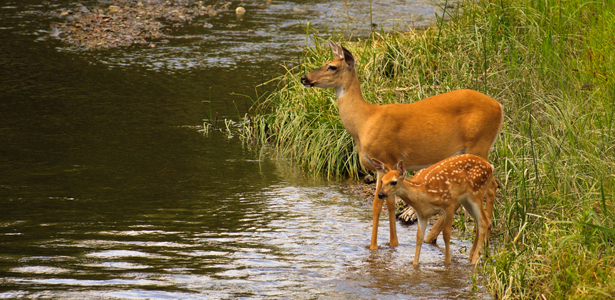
(301, 245)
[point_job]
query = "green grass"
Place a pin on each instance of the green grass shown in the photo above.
(551, 64)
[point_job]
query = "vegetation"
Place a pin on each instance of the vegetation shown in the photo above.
(551, 64)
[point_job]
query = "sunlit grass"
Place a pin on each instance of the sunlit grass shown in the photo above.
(551, 64)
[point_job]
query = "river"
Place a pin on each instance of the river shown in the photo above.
(111, 189)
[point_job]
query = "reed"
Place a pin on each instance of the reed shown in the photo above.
(551, 64)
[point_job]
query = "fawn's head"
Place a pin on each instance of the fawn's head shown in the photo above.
(334, 73)
(391, 180)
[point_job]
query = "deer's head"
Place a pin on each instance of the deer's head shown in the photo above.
(334, 73)
(391, 180)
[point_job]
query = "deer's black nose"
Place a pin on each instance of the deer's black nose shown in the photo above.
(305, 81)
(382, 196)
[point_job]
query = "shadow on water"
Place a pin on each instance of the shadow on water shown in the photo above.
(110, 189)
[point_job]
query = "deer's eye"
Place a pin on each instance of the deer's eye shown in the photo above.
(332, 68)
(393, 183)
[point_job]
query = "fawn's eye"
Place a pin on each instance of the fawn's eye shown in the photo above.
(393, 183)
(332, 68)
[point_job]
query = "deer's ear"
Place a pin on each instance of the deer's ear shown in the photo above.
(348, 58)
(401, 169)
(337, 50)
(379, 166)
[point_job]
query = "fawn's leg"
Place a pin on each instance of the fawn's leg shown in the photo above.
(472, 210)
(432, 236)
(420, 233)
(475, 242)
(475, 207)
(392, 220)
(446, 234)
(482, 218)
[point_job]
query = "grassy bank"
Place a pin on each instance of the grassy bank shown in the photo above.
(551, 64)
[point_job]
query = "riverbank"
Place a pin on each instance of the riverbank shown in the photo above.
(551, 66)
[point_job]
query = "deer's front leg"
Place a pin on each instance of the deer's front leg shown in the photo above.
(420, 233)
(376, 210)
(391, 206)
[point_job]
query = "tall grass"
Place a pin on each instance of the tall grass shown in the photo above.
(551, 64)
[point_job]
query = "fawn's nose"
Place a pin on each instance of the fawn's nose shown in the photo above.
(382, 196)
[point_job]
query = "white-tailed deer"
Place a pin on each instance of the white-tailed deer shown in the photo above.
(420, 133)
(442, 188)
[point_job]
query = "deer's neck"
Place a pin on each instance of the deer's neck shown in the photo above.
(411, 189)
(413, 194)
(352, 106)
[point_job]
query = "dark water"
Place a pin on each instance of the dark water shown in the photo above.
(109, 188)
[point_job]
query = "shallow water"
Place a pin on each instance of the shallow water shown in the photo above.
(110, 188)
(286, 240)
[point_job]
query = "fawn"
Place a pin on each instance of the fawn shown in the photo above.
(442, 188)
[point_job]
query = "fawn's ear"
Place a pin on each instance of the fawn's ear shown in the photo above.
(379, 166)
(338, 51)
(401, 169)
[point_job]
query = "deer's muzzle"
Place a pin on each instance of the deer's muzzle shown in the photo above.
(306, 82)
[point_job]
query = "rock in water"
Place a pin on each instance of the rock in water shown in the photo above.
(369, 179)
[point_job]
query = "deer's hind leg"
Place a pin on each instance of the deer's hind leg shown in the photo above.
(449, 215)
(493, 187)
(474, 206)
(432, 236)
